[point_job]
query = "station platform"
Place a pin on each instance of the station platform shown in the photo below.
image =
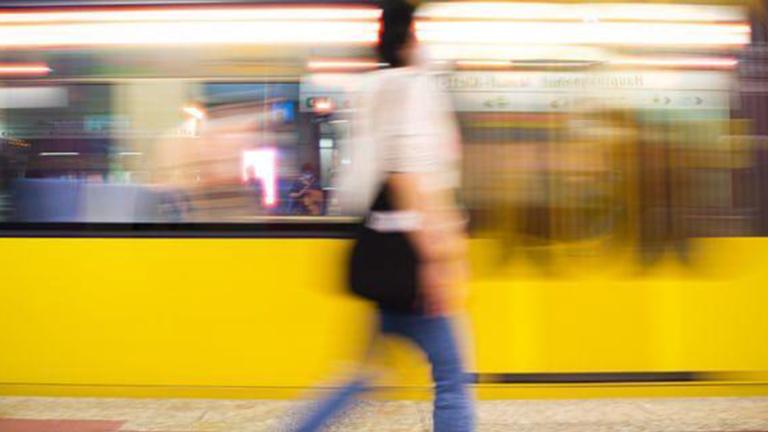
(38, 414)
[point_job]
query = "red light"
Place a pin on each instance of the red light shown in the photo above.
(321, 105)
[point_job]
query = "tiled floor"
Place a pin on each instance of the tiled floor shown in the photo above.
(27, 414)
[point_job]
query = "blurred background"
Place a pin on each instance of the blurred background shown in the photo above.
(615, 169)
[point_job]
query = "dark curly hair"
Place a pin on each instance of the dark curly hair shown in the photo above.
(396, 30)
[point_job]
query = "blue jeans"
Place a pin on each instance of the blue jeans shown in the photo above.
(453, 410)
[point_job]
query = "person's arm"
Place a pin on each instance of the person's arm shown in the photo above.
(439, 241)
(415, 154)
(439, 236)
(412, 145)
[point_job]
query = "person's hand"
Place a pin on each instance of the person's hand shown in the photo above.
(435, 244)
(442, 285)
(433, 288)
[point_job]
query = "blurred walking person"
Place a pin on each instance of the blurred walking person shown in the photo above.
(409, 256)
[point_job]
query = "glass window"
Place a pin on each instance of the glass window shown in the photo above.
(135, 152)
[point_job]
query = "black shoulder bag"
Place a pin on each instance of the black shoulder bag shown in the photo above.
(383, 266)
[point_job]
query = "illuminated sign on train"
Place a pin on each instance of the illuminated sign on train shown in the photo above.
(513, 91)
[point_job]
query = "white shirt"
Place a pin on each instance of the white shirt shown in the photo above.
(402, 124)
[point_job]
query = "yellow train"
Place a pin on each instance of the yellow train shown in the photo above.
(157, 238)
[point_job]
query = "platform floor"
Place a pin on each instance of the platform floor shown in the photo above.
(33, 414)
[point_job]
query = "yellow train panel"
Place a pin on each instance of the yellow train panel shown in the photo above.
(265, 317)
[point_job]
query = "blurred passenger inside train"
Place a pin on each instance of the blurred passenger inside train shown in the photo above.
(409, 257)
(305, 194)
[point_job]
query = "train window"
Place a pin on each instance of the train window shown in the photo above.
(180, 151)
(168, 125)
(57, 137)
